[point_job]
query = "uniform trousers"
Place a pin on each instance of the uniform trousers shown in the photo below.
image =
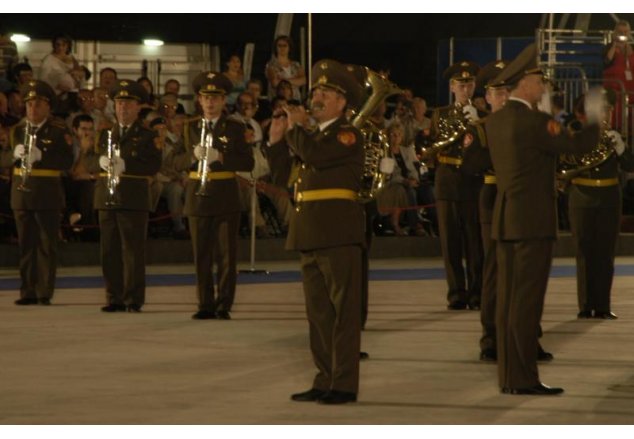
(332, 290)
(37, 242)
(215, 241)
(594, 232)
(489, 269)
(371, 211)
(523, 270)
(459, 231)
(123, 238)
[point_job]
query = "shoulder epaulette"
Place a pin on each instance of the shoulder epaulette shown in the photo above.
(57, 122)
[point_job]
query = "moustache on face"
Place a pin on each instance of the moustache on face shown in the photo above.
(319, 106)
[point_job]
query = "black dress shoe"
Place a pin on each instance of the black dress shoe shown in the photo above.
(363, 355)
(474, 306)
(456, 304)
(542, 355)
(337, 397)
(223, 315)
(584, 314)
(309, 395)
(113, 308)
(539, 389)
(489, 355)
(133, 307)
(204, 315)
(607, 315)
(26, 302)
(44, 301)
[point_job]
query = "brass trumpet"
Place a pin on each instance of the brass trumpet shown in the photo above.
(207, 142)
(26, 166)
(112, 179)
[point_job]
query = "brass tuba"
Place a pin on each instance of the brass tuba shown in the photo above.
(450, 129)
(571, 165)
(376, 145)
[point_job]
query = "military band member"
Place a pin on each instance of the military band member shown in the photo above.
(328, 230)
(213, 205)
(123, 216)
(595, 217)
(524, 145)
(37, 196)
(457, 194)
(477, 160)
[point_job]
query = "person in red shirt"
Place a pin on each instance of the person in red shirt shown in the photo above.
(618, 70)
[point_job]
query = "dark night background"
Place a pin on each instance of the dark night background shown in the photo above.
(405, 43)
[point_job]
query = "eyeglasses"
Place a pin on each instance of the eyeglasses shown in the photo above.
(282, 45)
(87, 99)
(172, 107)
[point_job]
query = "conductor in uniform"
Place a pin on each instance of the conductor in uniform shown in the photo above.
(123, 218)
(524, 145)
(457, 191)
(477, 160)
(327, 229)
(212, 201)
(37, 196)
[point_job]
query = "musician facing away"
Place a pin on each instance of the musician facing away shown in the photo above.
(125, 158)
(212, 200)
(42, 148)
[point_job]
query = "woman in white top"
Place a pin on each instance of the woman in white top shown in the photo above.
(399, 193)
(282, 67)
(59, 68)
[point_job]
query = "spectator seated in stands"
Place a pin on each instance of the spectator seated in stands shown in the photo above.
(170, 180)
(80, 183)
(399, 193)
(7, 224)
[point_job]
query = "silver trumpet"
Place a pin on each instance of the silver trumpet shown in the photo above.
(112, 179)
(207, 142)
(26, 166)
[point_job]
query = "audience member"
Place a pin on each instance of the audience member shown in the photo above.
(235, 73)
(254, 86)
(281, 66)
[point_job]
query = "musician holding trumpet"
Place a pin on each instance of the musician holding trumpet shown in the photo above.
(42, 149)
(594, 206)
(212, 199)
(125, 158)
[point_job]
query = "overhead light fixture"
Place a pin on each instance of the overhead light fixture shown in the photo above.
(20, 38)
(154, 43)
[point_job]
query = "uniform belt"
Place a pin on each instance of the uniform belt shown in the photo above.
(224, 175)
(490, 179)
(449, 160)
(144, 177)
(326, 194)
(593, 182)
(39, 172)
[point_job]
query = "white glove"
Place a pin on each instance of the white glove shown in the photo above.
(619, 145)
(594, 104)
(212, 153)
(36, 155)
(199, 152)
(470, 112)
(387, 165)
(117, 162)
(423, 169)
(18, 152)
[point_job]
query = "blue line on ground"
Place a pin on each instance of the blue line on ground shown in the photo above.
(407, 274)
